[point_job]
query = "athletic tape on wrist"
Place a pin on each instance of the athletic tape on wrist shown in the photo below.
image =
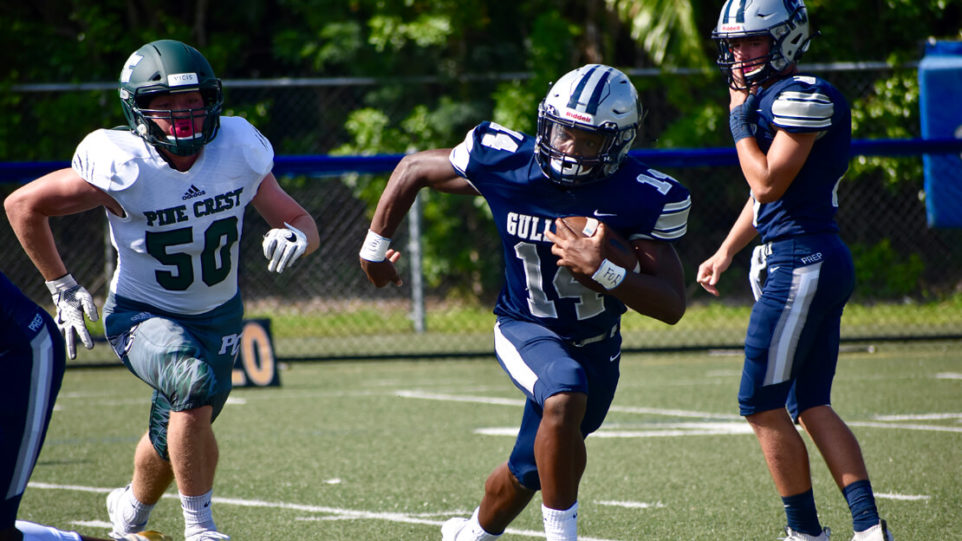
(742, 117)
(609, 275)
(738, 125)
(375, 247)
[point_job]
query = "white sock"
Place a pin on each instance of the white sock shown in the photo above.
(198, 516)
(38, 532)
(560, 525)
(474, 532)
(132, 511)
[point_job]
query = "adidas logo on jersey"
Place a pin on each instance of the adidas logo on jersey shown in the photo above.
(192, 192)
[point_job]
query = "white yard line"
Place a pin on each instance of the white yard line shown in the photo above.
(632, 505)
(424, 395)
(905, 426)
(337, 512)
(903, 497)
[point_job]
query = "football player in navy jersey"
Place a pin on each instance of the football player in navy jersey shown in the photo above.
(556, 339)
(33, 361)
(792, 134)
(174, 184)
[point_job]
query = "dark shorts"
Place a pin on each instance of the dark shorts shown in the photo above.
(187, 360)
(791, 347)
(542, 364)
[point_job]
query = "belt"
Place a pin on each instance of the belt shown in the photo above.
(596, 338)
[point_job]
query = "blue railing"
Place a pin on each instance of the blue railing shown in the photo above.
(322, 165)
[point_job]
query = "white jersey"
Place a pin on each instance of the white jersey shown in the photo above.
(177, 243)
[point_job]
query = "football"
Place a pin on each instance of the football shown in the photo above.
(617, 249)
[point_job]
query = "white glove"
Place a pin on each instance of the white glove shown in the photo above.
(73, 301)
(282, 246)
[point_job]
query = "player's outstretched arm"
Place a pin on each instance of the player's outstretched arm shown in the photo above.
(29, 209)
(431, 169)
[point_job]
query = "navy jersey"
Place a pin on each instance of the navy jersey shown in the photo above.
(33, 358)
(801, 104)
(17, 310)
(637, 202)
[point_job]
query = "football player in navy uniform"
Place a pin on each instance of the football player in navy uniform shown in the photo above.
(792, 134)
(33, 361)
(556, 339)
(174, 184)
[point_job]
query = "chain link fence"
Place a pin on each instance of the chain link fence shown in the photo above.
(322, 308)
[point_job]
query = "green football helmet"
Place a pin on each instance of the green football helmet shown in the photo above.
(169, 66)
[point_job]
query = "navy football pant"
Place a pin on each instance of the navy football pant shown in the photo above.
(542, 364)
(791, 347)
(32, 358)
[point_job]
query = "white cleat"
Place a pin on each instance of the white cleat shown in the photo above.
(209, 535)
(792, 535)
(879, 532)
(119, 527)
(451, 528)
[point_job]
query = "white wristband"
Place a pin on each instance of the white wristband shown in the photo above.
(375, 247)
(609, 275)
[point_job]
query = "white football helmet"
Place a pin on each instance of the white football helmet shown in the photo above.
(785, 22)
(597, 99)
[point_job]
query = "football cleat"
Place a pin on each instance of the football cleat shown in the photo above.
(147, 535)
(792, 535)
(451, 527)
(120, 528)
(209, 535)
(879, 532)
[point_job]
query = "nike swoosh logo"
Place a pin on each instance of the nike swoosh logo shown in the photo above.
(614, 357)
(601, 214)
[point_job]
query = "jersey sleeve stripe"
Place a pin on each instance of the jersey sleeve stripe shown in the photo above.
(803, 110)
(673, 222)
(461, 154)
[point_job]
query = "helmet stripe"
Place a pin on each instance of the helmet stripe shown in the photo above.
(739, 13)
(582, 83)
(591, 85)
(595, 100)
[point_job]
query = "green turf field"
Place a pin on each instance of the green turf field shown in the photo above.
(389, 450)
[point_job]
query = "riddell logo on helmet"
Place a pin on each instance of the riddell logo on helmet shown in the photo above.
(732, 27)
(578, 116)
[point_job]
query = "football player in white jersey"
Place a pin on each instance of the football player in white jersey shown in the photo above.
(174, 184)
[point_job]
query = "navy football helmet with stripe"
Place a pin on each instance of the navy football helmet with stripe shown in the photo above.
(597, 99)
(784, 22)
